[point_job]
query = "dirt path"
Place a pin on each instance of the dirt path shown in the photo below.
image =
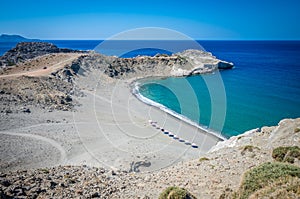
(41, 66)
(41, 138)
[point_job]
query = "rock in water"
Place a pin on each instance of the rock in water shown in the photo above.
(225, 65)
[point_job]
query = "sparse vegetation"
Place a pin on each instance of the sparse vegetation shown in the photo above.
(297, 130)
(265, 175)
(248, 148)
(45, 170)
(286, 187)
(176, 193)
(203, 159)
(286, 154)
(161, 55)
(227, 193)
(240, 137)
(10, 63)
(183, 59)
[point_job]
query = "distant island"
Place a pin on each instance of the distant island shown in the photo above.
(14, 38)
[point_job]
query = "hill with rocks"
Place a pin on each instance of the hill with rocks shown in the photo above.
(29, 50)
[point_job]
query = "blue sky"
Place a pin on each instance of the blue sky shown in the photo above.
(96, 19)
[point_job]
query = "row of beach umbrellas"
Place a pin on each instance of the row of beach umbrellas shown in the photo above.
(170, 134)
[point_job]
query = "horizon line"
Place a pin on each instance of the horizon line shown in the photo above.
(162, 39)
(93, 39)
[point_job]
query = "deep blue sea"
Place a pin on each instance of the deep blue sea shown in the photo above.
(262, 89)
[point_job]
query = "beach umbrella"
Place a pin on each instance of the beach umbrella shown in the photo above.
(194, 145)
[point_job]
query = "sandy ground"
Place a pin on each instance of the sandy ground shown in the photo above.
(114, 127)
(109, 129)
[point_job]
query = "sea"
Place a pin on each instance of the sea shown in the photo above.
(261, 89)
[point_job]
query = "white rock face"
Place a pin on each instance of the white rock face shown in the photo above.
(185, 63)
(278, 133)
(233, 141)
(202, 62)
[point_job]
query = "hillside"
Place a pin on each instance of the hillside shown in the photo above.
(218, 174)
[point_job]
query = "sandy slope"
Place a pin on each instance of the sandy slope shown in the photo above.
(219, 174)
(114, 127)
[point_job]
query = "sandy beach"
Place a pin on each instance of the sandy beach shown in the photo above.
(110, 128)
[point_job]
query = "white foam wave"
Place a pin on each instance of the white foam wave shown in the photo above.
(135, 91)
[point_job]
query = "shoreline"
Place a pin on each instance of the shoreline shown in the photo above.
(134, 88)
(131, 116)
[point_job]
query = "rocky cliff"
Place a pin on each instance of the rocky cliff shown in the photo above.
(200, 62)
(185, 63)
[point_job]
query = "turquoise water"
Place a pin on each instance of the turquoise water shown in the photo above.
(262, 89)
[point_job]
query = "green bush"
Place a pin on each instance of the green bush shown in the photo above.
(264, 175)
(176, 193)
(286, 154)
(286, 187)
(10, 63)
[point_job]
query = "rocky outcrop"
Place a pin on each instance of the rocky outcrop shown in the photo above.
(48, 93)
(186, 63)
(144, 65)
(200, 62)
(225, 65)
(29, 50)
